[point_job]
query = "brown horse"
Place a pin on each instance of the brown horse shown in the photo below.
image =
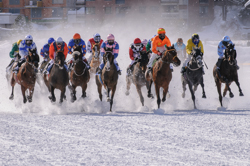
(26, 76)
(138, 75)
(58, 78)
(95, 61)
(79, 75)
(227, 74)
(108, 77)
(162, 74)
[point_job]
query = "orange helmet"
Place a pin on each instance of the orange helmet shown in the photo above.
(161, 30)
(76, 36)
(137, 41)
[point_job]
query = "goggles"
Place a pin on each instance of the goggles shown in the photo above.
(77, 41)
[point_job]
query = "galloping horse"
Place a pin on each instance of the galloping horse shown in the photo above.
(108, 77)
(138, 75)
(228, 73)
(95, 62)
(162, 74)
(79, 75)
(58, 78)
(26, 76)
(194, 75)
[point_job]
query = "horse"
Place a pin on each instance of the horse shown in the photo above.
(161, 73)
(26, 76)
(138, 75)
(79, 75)
(58, 77)
(95, 61)
(109, 76)
(11, 66)
(194, 75)
(227, 74)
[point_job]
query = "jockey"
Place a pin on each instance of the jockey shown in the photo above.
(159, 43)
(110, 43)
(193, 42)
(15, 49)
(24, 47)
(77, 41)
(45, 50)
(96, 39)
(59, 44)
(134, 52)
(148, 47)
(221, 47)
(180, 47)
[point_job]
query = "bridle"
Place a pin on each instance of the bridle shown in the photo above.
(172, 58)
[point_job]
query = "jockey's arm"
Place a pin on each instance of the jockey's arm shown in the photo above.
(131, 54)
(89, 47)
(65, 50)
(13, 50)
(83, 48)
(116, 51)
(51, 52)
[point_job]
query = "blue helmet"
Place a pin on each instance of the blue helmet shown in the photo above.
(51, 40)
(195, 38)
(226, 40)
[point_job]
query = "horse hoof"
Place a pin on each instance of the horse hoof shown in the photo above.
(204, 96)
(231, 95)
(150, 96)
(183, 95)
(50, 97)
(11, 97)
(164, 99)
(84, 95)
(127, 93)
(61, 101)
(241, 94)
(64, 97)
(30, 100)
(53, 99)
(24, 101)
(108, 99)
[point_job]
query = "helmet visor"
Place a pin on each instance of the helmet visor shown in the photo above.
(77, 41)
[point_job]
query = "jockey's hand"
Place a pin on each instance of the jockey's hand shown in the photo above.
(201, 54)
(159, 53)
(136, 59)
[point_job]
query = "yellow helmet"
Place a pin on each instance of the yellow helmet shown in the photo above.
(18, 42)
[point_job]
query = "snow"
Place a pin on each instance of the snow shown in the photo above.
(85, 133)
(246, 4)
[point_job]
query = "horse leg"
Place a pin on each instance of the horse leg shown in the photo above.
(225, 90)
(165, 91)
(73, 93)
(218, 84)
(184, 88)
(238, 84)
(31, 91)
(52, 97)
(227, 87)
(108, 90)
(12, 83)
(84, 87)
(128, 85)
(138, 88)
(23, 92)
(149, 89)
(62, 94)
(99, 88)
(112, 97)
(203, 89)
(157, 91)
(192, 94)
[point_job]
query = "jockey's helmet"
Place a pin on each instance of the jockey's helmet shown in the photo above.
(28, 40)
(161, 30)
(76, 36)
(59, 41)
(195, 38)
(226, 40)
(51, 40)
(111, 39)
(179, 41)
(97, 37)
(137, 41)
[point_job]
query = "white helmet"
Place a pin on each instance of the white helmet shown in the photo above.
(59, 40)
(97, 37)
(144, 42)
(28, 37)
(226, 39)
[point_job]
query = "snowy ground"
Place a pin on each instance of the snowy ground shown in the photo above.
(85, 133)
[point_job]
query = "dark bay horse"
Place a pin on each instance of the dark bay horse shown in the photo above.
(138, 75)
(95, 61)
(108, 77)
(162, 74)
(194, 75)
(58, 77)
(227, 74)
(79, 75)
(26, 76)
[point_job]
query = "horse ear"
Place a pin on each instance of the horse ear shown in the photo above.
(172, 45)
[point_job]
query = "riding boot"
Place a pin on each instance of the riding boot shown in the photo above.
(66, 67)
(99, 71)
(218, 64)
(47, 70)
(183, 70)
(70, 66)
(118, 69)
(87, 64)
(20, 62)
(203, 72)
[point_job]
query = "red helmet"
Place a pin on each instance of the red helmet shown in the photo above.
(76, 36)
(137, 41)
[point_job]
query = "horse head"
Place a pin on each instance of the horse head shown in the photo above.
(77, 56)
(108, 58)
(170, 55)
(33, 57)
(60, 58)
(230, 53)
(143, 59)
(96, 50)
(197, 56)
(77, 48)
